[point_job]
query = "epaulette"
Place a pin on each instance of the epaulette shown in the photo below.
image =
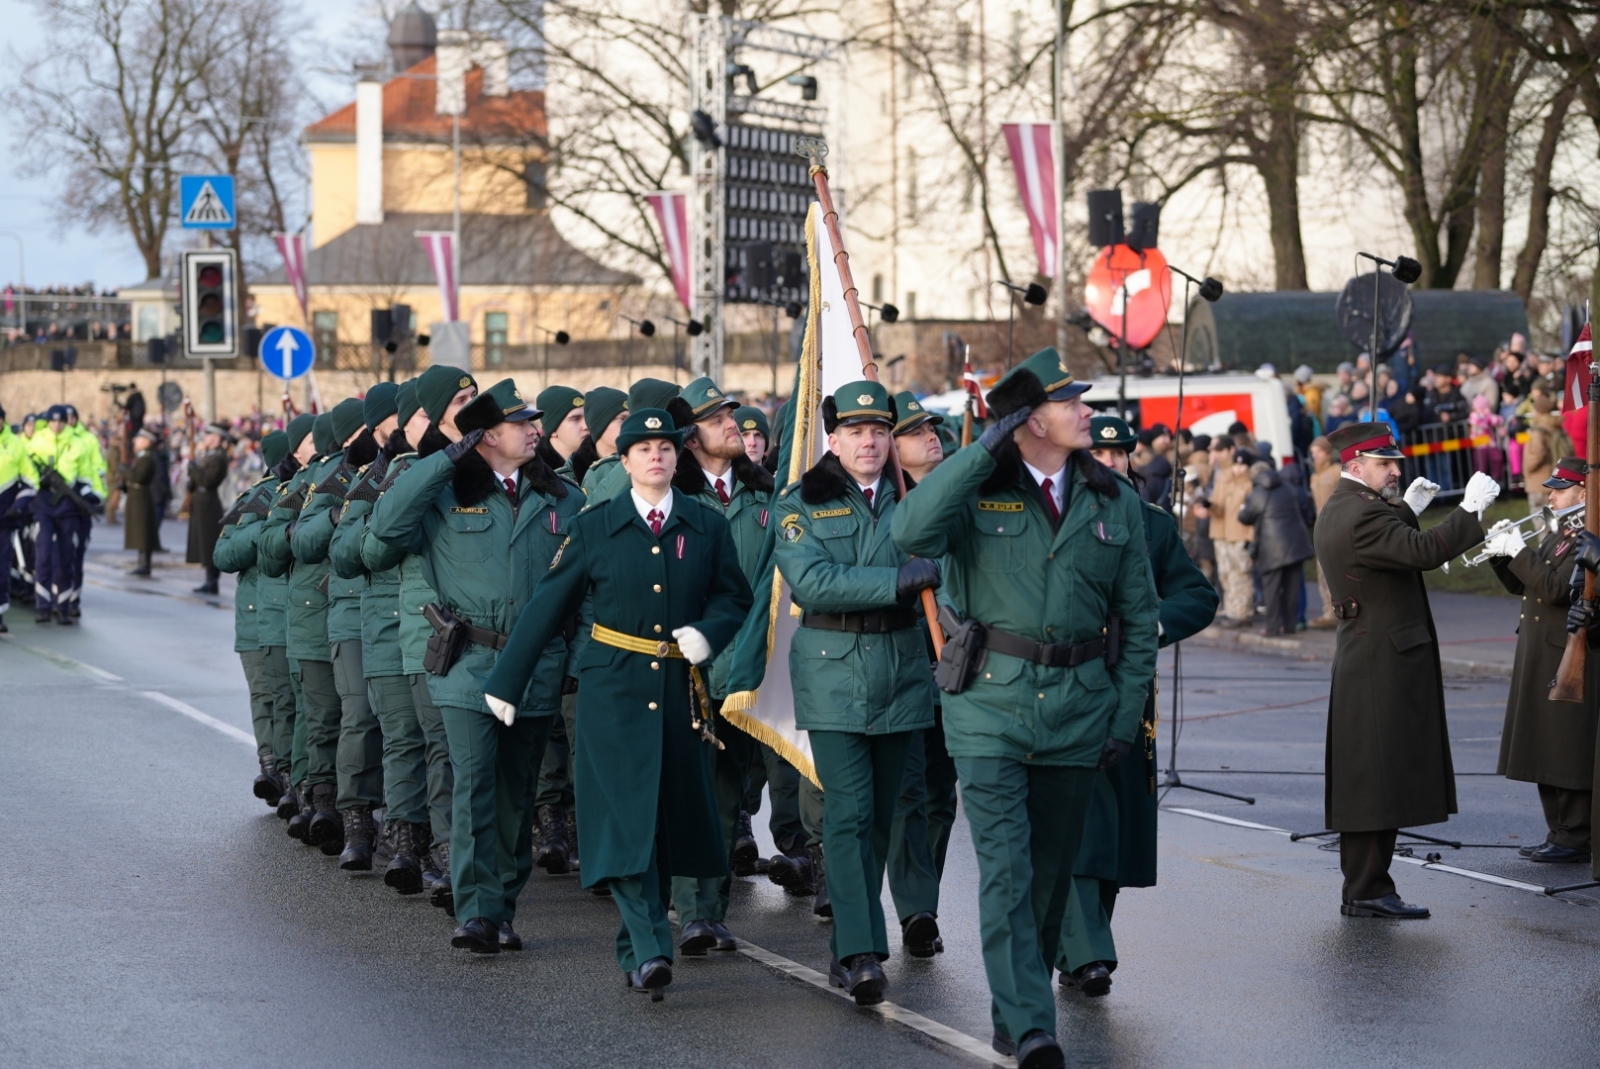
(785, 491)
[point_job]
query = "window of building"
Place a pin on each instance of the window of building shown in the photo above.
(963, 54)
(911, 304)
(877, 289)
(536, 183)
(911, 185)
(325, 335)
(496, 330)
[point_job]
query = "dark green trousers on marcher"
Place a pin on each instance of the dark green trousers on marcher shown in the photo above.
(319, 695)
(280, 684)
(861, 777)
(645, 932)
(707, 899)
(359, 757)
(555, 774)
(913, 874)
(491, 838)
(782, 782)
(405, 756)
(1086, 927)
(441, 779)
(261, 704)
(1027, 825)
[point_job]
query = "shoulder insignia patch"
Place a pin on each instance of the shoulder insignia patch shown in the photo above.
(789, 528)
(828, 514)
(560, 550)
(1001, 506)
(463, 510)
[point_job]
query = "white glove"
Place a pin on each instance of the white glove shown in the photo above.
(1481, 491)
(693, 644)
(1507, 543)
(1419, 495)
(503, 711)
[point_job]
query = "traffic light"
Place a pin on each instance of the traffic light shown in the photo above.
(209, 296)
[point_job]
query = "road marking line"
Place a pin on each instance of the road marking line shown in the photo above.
(1203, 815)
(887, 1010)
(61, 660)
(205, 718)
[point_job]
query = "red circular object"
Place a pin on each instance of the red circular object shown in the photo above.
(1148, 283)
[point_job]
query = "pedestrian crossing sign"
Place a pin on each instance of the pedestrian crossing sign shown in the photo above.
(205, 202)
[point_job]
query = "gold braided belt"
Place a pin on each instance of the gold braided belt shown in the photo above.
(623, 641)
(700, 717)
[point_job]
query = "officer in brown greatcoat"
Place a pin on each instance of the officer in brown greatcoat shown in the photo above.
(1388, 751)
(1545, 742)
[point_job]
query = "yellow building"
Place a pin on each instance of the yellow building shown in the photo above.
(383, 168)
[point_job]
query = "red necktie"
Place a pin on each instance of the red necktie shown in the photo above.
(722, 495)
(1050, 500)
(656, 519)
(868, 495)
(511, 488)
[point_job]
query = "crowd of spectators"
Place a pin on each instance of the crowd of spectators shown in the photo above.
(61, 313)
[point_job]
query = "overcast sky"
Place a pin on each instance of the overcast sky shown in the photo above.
(58, 252)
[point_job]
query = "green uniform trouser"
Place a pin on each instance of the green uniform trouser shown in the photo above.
(1086, 928)
(1027, 825)
(359, 752)
(783, 795)
(810, 806)
(280, 684)
(405, 760)
(322, 713)
(645, 932)
(261, 705)
(707, 899)
(441, 779)
(299, 761)
(555, 774)
(913, 876)
(861, 782)
(491, 838)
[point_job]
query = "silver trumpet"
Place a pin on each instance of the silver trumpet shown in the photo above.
(1537, 523)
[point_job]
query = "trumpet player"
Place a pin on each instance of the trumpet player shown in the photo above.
(1547, 743)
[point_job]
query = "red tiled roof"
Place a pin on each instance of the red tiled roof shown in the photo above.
(408, 114)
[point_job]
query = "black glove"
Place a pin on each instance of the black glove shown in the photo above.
(1113, 752)
(916, 575)
(456, 450)
(1589, 551)
(999, 432)
(569, 685)
(1578, 616)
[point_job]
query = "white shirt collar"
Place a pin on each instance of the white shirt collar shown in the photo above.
(1352, 478)
(726, 479)
(645, 508)
(873, 487)
(1058, 481)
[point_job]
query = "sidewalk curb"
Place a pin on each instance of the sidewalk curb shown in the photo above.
(1301, 649)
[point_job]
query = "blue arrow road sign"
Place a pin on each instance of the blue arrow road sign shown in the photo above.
(205, 201)
(287, 352)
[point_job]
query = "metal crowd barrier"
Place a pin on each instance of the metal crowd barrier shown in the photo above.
(1448, 454)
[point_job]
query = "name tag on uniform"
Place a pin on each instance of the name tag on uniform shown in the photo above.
(479, 511)
(828, 514)
(1000, 506)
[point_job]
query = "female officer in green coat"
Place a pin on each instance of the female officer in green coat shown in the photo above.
(858, 663)
(1119, 838)
(661, 576)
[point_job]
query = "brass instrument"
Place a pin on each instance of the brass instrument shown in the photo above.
(1546, 519)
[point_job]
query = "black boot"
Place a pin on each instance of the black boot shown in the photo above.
(65, 615)
(41, 615)
(301, 820)
(439, 892)
(358, 831)
(822, 905)
(289, 804)
(77, 608)
(745, 851)
(404, 873)
(268, 787)
(552, 855)
(142, 569)
(4, 630)
(327, 826)
(794, 873)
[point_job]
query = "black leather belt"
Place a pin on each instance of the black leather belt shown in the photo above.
(861, 623)
(484, 637)
(1052, 654)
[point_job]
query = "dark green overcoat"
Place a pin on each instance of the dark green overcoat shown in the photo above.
(1388, 759)
(637, 759)
(206, 473)
(140, 525)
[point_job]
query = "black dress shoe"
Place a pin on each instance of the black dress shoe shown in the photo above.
(509, 939)
(1527, 851)
(697, 939)
(1555, 853)
(651, 978)
(478, 936)
(861, 976)
(1093, 979)
(725, 938)
(1003, 1044)
(1388, 906)
(205, 588)
(920, 932)
(1039, 1050)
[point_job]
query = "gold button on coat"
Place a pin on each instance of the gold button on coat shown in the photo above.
(652, 705)
(657, 588)
(655, 665)
(655, 549)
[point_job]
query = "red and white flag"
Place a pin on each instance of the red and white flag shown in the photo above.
(292, 247)
(440, 247)
(1033, 157)
(672, 215)
(970, 383)
(1577, 391)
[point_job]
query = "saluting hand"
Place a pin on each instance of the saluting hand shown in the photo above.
(456, 450)
(999, 432)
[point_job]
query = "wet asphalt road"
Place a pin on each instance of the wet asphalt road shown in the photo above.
(160, 917)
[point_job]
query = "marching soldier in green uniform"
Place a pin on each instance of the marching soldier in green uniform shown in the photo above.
(659, 574)
(604, 409)
(235, 551)
(713, 469)
(606, 480)
(1119, 837)
(1047, 670)
(858, 663)
(426, 412)
(486, 515)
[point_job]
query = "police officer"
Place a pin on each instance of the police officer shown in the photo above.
(486, 515)
(1119, 837)
(1044, 555)
(206, 472)
(1548, 743)
(713, 469)
(660, 574)
(91, 473)
(426, 414)
(1388, 752)
(18, 479)
(858, 663)
(235, 551)
(68, 493)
